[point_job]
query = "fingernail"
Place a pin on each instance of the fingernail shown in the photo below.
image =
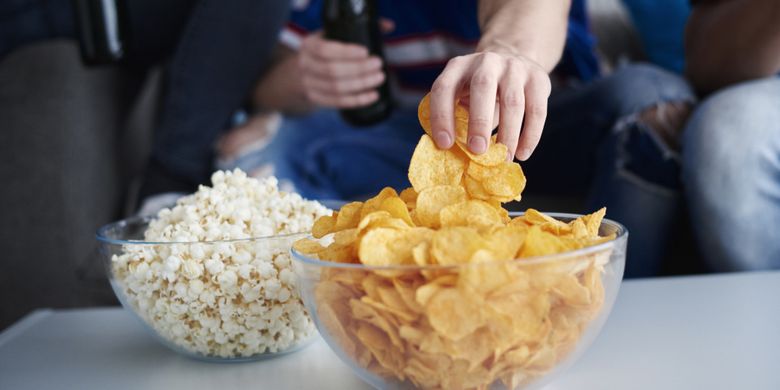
(477, 144)
(524, 154)
(509, 156)
(443, 139)
(376, 62)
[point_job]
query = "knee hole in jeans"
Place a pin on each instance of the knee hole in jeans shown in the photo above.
(667, 121)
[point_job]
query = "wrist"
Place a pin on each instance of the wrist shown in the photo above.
(508, 49)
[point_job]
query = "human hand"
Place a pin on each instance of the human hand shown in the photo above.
(339, 75)
(507, 88)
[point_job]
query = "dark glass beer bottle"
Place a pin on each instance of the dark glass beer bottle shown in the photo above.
(101, 26)
(357, 21)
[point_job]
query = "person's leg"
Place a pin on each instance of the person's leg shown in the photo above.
(604, 142)
(731, 173)
(324, 158)
(223, 49)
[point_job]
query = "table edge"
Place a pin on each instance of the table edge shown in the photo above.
(19, 327)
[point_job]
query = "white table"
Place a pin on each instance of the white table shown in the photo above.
(711, 332)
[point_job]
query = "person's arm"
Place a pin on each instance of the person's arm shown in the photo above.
(322, 73)
(528, 28)
(522, 41)
(729, 41)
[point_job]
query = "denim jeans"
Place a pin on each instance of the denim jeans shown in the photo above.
(593, 146)
(731, 174)
(213, 52)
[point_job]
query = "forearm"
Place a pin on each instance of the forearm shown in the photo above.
(534, 29)
(730, 41)
(281, 88)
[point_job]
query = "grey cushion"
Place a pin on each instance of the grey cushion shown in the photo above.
(60, 126)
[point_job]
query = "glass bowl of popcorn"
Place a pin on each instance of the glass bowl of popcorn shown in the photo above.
(212, 276)
(463, 320)
(222, 300)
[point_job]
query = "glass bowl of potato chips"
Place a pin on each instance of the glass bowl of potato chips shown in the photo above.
(410, 308)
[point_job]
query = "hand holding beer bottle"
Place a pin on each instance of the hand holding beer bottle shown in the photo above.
(343, 67)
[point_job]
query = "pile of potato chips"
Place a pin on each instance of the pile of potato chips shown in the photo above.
(448, 301)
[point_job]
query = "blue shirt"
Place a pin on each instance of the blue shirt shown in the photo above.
(429, 32)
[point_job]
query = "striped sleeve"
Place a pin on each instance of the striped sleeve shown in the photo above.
(304, 19)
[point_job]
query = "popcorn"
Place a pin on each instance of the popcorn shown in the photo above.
(222, 299)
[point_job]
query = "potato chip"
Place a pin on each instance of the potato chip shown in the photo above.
(409, 196)
(484, 275)
(569, 289)
(431, 166)
(547, 223)
(495, 154)
(381, 219)
(505, 180)
(339, 253)
(461, 119)
(403, 315)
(456, 245)
(474, 348)
(432, 200)
(593, 221)
(335, 312)
(534, 217)
(345, 237)
(501, 211)
(363, 311)
(540, 243)
(370, 284)
(505, 241)
(374, 249)
(407, 291)
(454, 315)
(475, 213)
(308, 247)
(424, 113)
(578, 229)
(424, 293)
(397, 208)
(377, 342)
(390, 296)
(404, 244)
(456, 305)
(461, 123)
(332, 322)
(387, 246)
(375, 203)
(323, 226)
(421, 253)
(475, 190)
(348, 216)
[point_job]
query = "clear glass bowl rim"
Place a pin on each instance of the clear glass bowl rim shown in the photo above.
(622, 235)
(102, 235)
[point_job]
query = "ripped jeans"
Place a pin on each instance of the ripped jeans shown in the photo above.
(596, 146)
(593, 147)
